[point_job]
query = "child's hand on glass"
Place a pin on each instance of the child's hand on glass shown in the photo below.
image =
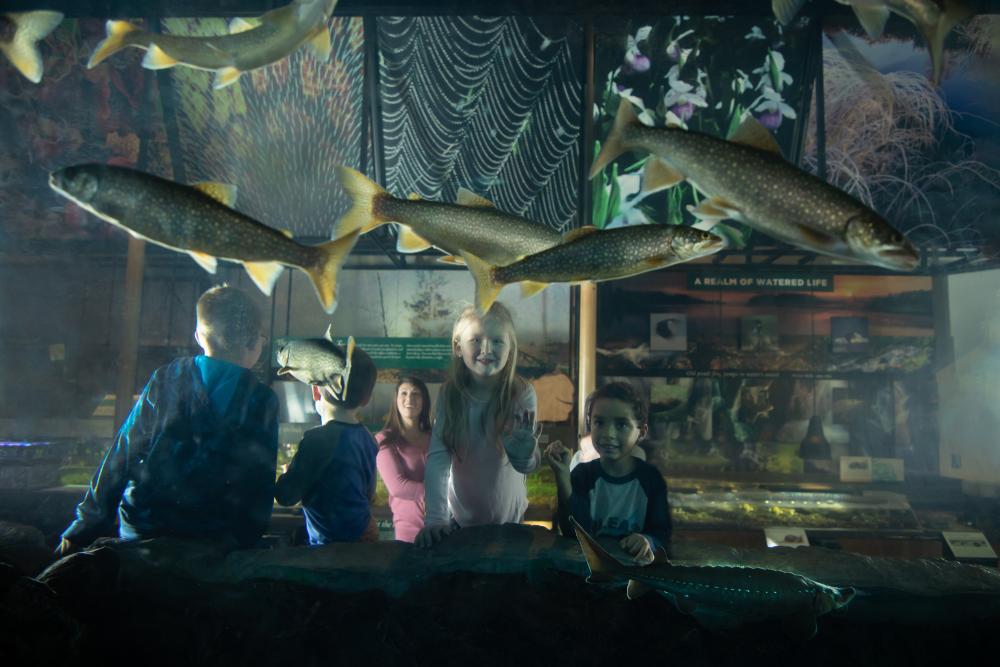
(520, 435)
(558, 457)
(640, 548)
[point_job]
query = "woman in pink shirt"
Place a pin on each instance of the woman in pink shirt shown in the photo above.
(402, 455)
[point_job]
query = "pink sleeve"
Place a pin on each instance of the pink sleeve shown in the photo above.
(390, 467)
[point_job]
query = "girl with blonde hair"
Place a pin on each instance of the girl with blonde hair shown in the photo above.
(484, 434)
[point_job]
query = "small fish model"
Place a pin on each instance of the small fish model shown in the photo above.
(199, 220)
(934, 19)
(252, 43)
(746, 179)
(722, 597)
(473, 225)
(317, 361)
(19, 37)
(593, 255)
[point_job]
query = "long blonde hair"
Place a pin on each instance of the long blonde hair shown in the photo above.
(455, 391)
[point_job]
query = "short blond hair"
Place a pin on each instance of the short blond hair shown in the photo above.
(228, 319)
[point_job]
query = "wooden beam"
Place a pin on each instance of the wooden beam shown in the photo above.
(587, 351)
(128, 349)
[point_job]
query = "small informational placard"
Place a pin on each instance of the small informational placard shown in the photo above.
(785, 536)
(887, 470)
(855, 469)
(969, 545)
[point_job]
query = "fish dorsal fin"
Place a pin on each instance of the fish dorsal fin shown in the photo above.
(264, 274)
(578, 233)
(872, 19)
(410, 241)
(319, 46)
(658, 175)
(451, 259)
(752, 133)
(413, 196)
(157, 58)
(224, 193)
(636, 589)
(469, 198)
(238, 25)
(205, 261)
(226, 76)
(531, 288)
(786, 10)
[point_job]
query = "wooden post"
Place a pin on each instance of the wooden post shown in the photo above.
(128, 351)
(587, 351)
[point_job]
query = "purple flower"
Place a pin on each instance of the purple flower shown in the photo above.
(684, 110)
(636, 62)
(770, 119)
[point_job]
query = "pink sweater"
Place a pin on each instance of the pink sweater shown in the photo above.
(401, 465)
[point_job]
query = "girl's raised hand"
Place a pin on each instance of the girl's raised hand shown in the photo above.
(523, 426)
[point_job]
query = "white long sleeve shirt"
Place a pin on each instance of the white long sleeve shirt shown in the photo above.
(485, 486)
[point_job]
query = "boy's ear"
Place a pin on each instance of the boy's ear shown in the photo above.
(643, 430)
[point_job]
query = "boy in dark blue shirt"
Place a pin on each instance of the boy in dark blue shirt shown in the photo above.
(333, 471)
(617, 494)
(196, 456)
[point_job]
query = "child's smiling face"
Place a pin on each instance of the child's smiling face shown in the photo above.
(484, 347)
(614, 429)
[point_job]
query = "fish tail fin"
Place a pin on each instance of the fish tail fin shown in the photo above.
(615, 144)
(954, 13)
(113, 43)
(603, 566)
(487, 288)
(323, 272)
(22, 51)
(364, 194)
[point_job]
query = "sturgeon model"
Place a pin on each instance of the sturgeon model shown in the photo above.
(198, 220)
(252, 43)
(20, 33)
(473, 225)
(317, 361)
(933, 19)
(746, 179)
(594, 255)
(722, 597)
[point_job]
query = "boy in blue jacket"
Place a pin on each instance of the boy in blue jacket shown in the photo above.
(333, 471)
(196, 456)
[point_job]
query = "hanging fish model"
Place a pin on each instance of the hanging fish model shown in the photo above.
(317, 361)
(722, 597)
(19, 37)
(252, 43)
(199, 220)
(746, 179)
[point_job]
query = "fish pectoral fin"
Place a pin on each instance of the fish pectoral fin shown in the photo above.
(224, 193)
(786, 10)
(451, 259)
(205, 261)
(531, 288)
(578, 233)
(328, 334)
(658, 175)
(799, 627)
(238, 25)
(264, 274)
(157, 58)
(469, 198)
(287, 233)
(751, 133)
(345, 377)
(225, 76)
(409, 241)
(319, 46)
(685, 604)
(284, 370)
(714, 208)
(872, 19)
(817, 238)
(636, 589)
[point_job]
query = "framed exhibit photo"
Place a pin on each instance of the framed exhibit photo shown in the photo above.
(849, 334)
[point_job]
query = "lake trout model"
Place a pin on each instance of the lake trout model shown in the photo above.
(934, 19)
(473, 225)
(19, 37)
(594, 255)
(198, 220)
(317, 361)
(252, 43)
(722, 597)
(746, 179)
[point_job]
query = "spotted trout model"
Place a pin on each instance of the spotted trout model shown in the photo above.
(722, 597)
(19, 37)
(473, 225)
(252, 43)
(198, 220)
(317, 361)
(746, 179)
(594, 255)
